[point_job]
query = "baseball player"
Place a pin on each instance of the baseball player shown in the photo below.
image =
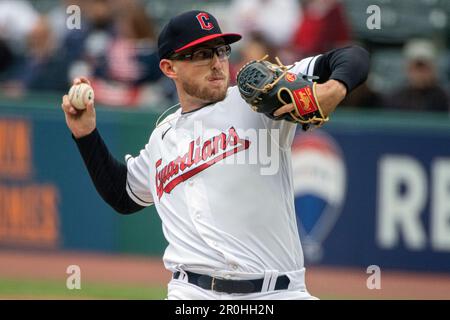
(231, 230)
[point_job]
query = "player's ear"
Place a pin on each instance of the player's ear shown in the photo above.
(168, 68)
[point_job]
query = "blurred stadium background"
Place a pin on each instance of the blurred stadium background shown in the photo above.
(372, 187)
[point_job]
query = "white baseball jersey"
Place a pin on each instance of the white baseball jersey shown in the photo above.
(224, 211)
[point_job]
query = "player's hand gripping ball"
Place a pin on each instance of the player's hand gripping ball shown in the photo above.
(267, 87)
(80, 95)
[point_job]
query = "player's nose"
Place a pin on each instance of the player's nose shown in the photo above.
(216, 63)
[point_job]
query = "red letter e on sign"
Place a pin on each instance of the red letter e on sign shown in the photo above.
(203, 19)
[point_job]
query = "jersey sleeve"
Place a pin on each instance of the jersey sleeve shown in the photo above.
(305, 66)
(139, 182)
(349, 65)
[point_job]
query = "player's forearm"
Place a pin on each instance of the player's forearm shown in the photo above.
(330, 94)
(108, 175)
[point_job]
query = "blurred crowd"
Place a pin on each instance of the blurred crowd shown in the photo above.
(116, 47)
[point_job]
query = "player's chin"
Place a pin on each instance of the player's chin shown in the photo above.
(218, 94)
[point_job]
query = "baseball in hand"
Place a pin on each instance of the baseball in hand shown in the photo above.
(80, 95)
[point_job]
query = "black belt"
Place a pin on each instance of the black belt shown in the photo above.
(231, 286)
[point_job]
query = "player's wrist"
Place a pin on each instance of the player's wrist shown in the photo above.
(82, 134)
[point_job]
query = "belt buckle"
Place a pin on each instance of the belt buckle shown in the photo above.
(213, 282)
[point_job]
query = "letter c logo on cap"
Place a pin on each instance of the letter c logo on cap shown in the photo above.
(203, 19)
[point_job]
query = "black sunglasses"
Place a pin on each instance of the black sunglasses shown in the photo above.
(204, 55)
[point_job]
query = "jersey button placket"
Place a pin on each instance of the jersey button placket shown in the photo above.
(199, 210)
(196, 213)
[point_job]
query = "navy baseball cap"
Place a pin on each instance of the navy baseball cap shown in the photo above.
(188, 30)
